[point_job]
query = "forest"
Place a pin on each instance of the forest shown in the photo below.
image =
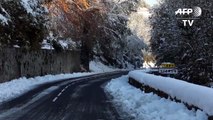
(98, 28)
(114, 32)
(189, 47)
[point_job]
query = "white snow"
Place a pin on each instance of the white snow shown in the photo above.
(148, 64)
(3, 19)
(46, 45)
(14, 88)
(152, 2)
(96, 66)
(196, 95)
(16, 46)
(27, 6)
(64, 43)
(30, 6)
(148, 106)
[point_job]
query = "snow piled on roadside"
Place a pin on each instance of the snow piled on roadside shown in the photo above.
(16, 87)
(196, 95)
(99, 67)
(147, 106)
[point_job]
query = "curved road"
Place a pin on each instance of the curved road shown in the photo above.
(80, 98)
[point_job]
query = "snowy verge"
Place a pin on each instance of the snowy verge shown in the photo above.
(199, 96)
(148, 106)
(95, 66)
(16, 87)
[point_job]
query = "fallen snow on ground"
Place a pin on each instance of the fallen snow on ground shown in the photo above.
(196, 95)
(15, 88)
(147, 106)
(100, 67)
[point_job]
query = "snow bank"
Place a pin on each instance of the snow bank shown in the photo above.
(147, 106)
(192, 94)
(99, 67)
(14, 88)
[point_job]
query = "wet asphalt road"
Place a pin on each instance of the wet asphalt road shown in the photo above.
(80, 98)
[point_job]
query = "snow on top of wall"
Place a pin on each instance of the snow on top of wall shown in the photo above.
(46, 45)
(148, 106)
(192, 94)
(64, 43)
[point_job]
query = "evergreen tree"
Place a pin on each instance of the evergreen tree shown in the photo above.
(190, 48)
(26, 24)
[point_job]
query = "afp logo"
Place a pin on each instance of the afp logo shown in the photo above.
(193, 14)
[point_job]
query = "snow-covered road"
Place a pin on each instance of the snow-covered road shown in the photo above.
(74, 99)
(17, 87)
(128, 99)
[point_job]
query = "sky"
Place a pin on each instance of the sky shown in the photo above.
(151, 2)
